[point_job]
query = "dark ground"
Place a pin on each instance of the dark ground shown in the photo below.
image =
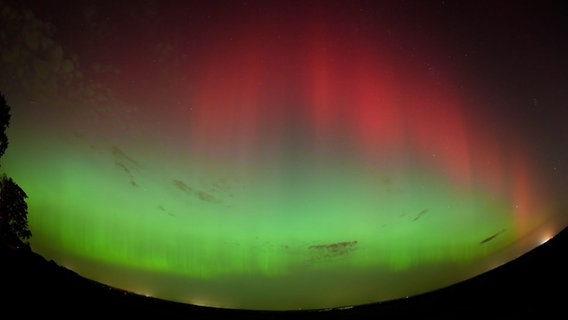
(532, 286)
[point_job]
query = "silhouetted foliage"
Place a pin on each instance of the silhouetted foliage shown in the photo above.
(14, 230)
(13, 214)
(4, 124)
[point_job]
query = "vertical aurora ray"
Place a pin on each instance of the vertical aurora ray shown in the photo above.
(315, 154)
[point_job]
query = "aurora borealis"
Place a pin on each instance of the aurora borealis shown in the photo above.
(300, 155)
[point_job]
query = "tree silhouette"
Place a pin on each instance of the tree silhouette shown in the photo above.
(14, 230)
(13, 214)
(4, 123)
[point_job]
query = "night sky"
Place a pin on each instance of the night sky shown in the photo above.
(286, 155)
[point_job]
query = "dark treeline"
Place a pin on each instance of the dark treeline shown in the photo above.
(14, 230)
